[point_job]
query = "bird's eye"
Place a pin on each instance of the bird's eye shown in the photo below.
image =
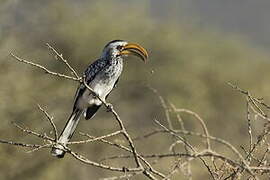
(119, 47)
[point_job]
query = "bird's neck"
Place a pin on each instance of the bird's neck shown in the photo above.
(109, 55)
(113, 60)
(113, 68)
(116, 60)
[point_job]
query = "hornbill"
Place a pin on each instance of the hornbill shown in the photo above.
(102, 76)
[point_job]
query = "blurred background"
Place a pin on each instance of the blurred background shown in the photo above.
(195, 47)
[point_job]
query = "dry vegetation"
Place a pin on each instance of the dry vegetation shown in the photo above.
(252, 164)
(177, 111)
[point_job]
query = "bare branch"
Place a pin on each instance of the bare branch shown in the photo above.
(20, 144)
(50, 119)
(28, 131)
(99, 165)
(174, 134)
(60, 56)
(249, 127)
(95, 139)
(43, 68)
(200, 121)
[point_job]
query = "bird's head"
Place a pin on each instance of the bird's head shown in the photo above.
(117, 48)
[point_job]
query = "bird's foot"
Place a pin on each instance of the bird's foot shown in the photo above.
(94, 95)
(109, 107)
(58, 150)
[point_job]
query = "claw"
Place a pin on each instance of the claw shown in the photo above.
(109, 107)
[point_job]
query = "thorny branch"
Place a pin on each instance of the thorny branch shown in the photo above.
(249, 163)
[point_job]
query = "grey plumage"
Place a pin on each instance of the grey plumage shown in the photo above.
(101, 76)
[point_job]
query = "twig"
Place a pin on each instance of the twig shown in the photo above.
(200, 121)
(227, 144)
(63, 60)
(125, 176)
(99, 165)
(95, 139)
(151, 169)
(50, 119)
(249, 127)
(33, 133)
(20, 144)
(174, 134)
(252, 99)
(41, 147)
(164, 106)
(44, 69)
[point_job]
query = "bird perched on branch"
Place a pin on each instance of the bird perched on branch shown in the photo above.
(101, 76)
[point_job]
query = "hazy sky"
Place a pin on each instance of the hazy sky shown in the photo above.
(250, 18)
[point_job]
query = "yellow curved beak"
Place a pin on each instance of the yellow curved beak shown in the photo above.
(135, 49)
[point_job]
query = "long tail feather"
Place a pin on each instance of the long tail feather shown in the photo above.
(67, 133)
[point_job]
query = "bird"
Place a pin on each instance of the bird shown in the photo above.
(101, 76)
